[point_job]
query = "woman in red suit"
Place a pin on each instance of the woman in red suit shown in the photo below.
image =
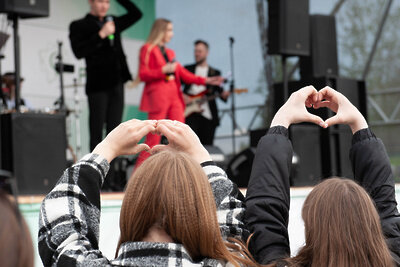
(162, 96)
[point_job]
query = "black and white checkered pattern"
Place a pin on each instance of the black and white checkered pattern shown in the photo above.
(70, 216)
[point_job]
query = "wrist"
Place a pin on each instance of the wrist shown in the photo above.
(358, 125)
(280, 120)
(104, 151)
(201, 155)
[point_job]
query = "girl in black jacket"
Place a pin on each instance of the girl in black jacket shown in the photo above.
(342, 225)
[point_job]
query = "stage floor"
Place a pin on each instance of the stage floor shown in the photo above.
(111, 205)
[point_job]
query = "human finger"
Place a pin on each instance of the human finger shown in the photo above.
(158, 148)
(145, 128)
(328, 93)
(308, 91)
(308, 103)
(139, 148)
(168, 130)
(333, 120)
(327, 104)
(315, 119)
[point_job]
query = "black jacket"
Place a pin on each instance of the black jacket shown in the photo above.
(212, 90)
(105, 63)
(268, 194)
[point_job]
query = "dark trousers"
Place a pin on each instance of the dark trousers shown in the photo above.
(203, 127)
(105, 109)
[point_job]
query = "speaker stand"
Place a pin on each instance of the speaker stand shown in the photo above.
(17, 62)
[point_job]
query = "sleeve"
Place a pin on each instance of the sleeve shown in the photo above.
(145, 73)
(230, 209)
(82, 44)
(372, 170)
(214, 89)
(70, 216)
(186, 87)
(268, 197)
(189, 78)
(217, 89)
(125, 21)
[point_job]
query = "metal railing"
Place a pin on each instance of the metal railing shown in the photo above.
(386, 119)
(241, 131)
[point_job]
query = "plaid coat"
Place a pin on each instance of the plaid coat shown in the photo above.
(70, 216)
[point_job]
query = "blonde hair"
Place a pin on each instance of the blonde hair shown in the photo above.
(342, 228)
(171, 190)
(156, 36)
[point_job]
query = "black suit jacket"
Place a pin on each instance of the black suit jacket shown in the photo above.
(212, 90)
(105, 63)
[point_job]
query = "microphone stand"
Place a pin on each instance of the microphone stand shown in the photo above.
(3, 104)
(61, 72)
(232, 87)
(17, 64)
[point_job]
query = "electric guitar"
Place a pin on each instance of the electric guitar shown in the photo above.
(194, 106)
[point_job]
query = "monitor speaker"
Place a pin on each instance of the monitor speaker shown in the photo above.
(239, 167)
(216, 155)
(288, 27)
(255, 136)
(33, 149)
(306, 141)
(25, 8)
(323, 59)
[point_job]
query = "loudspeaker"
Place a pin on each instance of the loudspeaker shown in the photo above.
(216, 155)
(25, 8)
(340, 144)
(288, 27)
(306, 141)
(255, 136)
(355, 91)
(34, 149)
(323, 59)
(239, 167)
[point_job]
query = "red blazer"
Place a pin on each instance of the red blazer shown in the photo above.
(150, 65)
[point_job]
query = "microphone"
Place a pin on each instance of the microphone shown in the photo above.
(111, 36)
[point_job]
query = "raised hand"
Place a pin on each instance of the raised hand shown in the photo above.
(346, 112)
(123, 140)
(215, 80)
(182, 138)
(169, 67)
(107, 29)
(295, 111)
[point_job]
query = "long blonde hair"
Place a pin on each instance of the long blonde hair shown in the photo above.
(342, 228)
(156, 36)
(171, 190)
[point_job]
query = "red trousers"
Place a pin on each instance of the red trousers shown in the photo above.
(171, 108)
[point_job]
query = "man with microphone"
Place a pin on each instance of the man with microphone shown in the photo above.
(97, 38)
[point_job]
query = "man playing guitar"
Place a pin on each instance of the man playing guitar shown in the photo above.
(204, 122)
